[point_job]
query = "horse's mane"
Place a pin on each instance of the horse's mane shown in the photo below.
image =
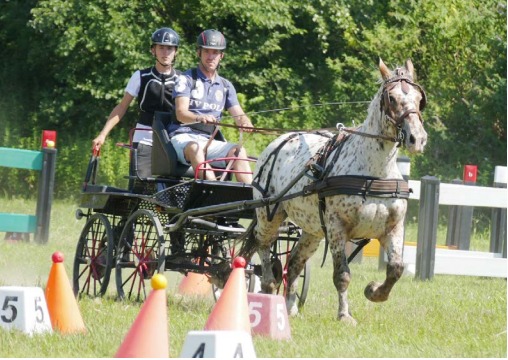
(374, 109)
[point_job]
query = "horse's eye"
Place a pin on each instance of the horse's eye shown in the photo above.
(391, 99)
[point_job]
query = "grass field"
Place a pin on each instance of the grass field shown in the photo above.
(449, 316)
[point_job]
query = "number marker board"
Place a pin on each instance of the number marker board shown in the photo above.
(25, 309)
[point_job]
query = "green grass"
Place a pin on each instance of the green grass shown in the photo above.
(449, 316)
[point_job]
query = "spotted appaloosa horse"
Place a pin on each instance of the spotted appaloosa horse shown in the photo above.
(369, 151)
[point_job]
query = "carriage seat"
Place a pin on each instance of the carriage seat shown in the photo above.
(164, 159)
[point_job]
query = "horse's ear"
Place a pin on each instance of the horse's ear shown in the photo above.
(385, 72)
(410, 69)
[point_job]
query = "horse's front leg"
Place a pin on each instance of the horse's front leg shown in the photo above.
(268, 283)
(341, 273)
(304, 249)
(393, 242)
(265, 233)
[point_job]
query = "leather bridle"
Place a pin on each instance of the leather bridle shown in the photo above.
(388, 112)
(385, 99)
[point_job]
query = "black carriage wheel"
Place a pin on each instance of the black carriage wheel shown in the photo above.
(304, 282)
(281, 252)
(94, 257)
(139, 255)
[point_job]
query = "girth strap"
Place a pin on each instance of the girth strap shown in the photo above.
(359, 185)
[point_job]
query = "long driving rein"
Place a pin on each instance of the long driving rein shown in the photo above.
(385, 107)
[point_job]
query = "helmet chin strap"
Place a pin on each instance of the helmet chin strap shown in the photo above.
(164, 65)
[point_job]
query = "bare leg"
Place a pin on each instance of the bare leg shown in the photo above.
(195, 155)
(245, 174)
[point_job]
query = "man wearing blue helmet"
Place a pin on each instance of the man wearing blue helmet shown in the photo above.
(200, 97)
(153, 88)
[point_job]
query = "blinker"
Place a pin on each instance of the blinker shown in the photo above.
(405, 82)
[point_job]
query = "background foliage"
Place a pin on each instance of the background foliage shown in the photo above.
(66, 64)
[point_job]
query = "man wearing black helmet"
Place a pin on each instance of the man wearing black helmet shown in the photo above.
(153, 87)
(200, 97)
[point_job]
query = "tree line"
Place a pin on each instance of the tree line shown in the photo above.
(66, 64)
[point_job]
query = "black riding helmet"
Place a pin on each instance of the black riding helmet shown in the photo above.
(165, 36)
(211, 39)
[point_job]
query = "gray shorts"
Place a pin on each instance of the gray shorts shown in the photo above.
(216, 149)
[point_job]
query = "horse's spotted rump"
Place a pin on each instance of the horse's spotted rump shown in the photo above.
(346, 217)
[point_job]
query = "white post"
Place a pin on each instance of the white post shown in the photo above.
(498, 219)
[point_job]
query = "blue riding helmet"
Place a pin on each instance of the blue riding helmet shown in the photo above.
(165, 36)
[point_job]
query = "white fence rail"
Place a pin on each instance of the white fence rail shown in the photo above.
(426, 260)
(465, 195)
(460, 262)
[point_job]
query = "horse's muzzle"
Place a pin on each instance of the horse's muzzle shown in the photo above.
(415, 136)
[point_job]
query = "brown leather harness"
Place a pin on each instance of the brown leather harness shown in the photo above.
(319, 166)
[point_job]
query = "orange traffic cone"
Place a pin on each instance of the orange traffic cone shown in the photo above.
(195, 284)
(231, 312)
(62, 305)
(148, 335)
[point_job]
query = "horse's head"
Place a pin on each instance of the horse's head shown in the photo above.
(402, 101)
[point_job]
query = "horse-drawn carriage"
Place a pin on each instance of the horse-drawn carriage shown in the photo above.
(341, 186)
(173, 221)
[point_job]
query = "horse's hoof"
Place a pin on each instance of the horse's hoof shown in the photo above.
(374, 293)
(347, 319)
(293, 310)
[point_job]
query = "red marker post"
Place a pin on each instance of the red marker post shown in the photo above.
(48, 139)
(470, 172)
(465, 213)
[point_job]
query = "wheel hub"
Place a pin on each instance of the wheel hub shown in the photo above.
(98, 266)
